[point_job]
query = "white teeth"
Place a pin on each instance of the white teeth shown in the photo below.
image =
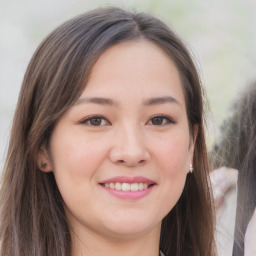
(118, 186)
(134, 187)
(127, 186)
(141, 186)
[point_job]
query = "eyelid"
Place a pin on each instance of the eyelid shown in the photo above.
(88, 118)
(169, 119)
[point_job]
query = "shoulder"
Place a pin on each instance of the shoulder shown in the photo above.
(250, 237)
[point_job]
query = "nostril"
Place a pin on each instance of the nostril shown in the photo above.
(131, 163)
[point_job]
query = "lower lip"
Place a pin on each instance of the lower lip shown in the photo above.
(129, 195)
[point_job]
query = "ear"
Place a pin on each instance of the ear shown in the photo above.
(193, 142)
(43, 160)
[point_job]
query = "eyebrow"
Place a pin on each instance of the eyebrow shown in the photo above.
(161, 100)
(97, 100)
(111, 102)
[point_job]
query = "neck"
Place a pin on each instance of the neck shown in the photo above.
(91, 244)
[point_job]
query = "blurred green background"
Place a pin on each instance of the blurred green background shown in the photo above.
(220, 34)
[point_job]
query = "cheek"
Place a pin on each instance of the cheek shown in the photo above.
(173, 163)
(76, 160)
(174, 157)
(75, 154)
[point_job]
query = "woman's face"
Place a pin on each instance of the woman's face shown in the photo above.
(121, 154)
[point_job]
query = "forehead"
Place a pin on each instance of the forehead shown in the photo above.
(137, 69)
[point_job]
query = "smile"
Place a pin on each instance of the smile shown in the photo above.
(126, 186)
(131, 188)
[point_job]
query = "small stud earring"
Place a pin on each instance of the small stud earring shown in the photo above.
(190, 168)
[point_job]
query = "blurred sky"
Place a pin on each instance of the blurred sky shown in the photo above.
(220, 34)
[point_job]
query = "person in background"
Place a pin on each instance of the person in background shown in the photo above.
(237, 150)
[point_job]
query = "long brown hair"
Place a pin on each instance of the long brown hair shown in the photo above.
(32, 217)
(237, 149)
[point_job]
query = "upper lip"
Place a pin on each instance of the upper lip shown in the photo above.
(126, 179)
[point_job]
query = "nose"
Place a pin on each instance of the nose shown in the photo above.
(129, 148)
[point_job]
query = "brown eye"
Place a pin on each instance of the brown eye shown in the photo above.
(95, 121)
(157, 120)
(161, 120)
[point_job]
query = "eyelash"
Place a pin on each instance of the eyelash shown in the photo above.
(89, 120)
(165, 118)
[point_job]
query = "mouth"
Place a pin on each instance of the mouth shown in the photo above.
(128, 188)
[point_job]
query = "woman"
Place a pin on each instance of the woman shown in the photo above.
(108, 124)
(237, 150)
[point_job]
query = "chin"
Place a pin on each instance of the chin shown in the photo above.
(130, 227)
